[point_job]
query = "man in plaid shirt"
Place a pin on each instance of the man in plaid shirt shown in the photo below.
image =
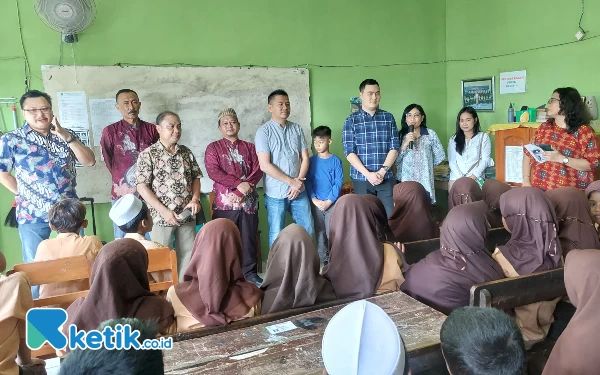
(371, 145)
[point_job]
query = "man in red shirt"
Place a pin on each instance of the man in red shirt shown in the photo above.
(121, 144)
(233, 166)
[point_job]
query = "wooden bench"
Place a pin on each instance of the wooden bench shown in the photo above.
(518, 291)
(162, 259)
(506, 294)
(415, 251)
(54, 271)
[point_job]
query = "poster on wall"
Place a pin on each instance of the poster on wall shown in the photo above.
(479, 94)
(513, 156)
(513, 82)
(72, 109)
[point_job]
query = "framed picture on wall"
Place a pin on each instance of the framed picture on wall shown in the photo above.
(479, 94)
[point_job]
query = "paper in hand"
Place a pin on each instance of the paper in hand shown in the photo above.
(536, 152)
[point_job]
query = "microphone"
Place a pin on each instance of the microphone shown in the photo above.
(411, 145)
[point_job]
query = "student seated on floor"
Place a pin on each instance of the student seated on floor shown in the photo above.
(67, 218)
(132, 217)
(16, 299)
(213, 291)
(117, 362)
(478, 340)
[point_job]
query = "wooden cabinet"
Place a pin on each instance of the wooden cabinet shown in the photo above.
(510, 137)
(518, 136)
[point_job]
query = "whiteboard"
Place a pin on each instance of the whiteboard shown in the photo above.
(197, 94)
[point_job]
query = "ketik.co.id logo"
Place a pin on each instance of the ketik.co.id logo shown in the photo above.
(43, 325)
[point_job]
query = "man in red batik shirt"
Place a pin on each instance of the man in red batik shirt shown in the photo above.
(233, 166)
(121, 144)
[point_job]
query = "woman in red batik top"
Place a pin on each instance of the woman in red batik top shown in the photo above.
(575, 155)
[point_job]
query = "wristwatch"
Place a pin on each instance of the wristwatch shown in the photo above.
(385, 168)
(565, 161)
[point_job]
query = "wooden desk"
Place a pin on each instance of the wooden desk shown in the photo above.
(298, 351)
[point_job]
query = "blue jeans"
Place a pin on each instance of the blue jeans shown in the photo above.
(299, 208)
(119, 233)
(31, 236)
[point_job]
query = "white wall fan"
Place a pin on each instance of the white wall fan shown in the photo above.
(68, 17)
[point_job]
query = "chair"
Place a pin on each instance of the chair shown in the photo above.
(162, 259)
(54, 271)
(518, 291)
(211, 199)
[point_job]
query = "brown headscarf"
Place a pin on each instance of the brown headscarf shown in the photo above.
(384, 232)
(492, 190)
(576, 351)
(594, 186)
(214, 289)
(119, 289)
(411, 219)
(444, 278)
(576, 229)
(534, 244)
(464, 190)
(293, 278)
(355, 251)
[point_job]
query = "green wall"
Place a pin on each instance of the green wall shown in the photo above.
(476, 29)
(355, 34)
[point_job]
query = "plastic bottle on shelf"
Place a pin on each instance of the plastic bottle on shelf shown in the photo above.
(511, 113)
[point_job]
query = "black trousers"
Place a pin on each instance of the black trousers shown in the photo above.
(248, 226)
(383, 191)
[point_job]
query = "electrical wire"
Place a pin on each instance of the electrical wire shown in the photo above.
(74, 64)
(581, 17)
(307, 65)
(27, 67)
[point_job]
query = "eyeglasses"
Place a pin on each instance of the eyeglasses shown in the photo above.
(413, 115)
(552, 99)
(33, 111)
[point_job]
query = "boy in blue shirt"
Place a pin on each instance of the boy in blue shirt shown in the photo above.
(323, 185)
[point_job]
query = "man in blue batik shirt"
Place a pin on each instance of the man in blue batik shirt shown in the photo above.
(42, 153)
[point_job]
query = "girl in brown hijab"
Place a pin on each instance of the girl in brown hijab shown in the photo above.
(444, 278)
(492, 190)
(576, 229)
(119, 288)
(576, 351)
(593, 195)
(293, 278)
(411, 219)
(214, 291)
(464, 190)
(360, 263)
(534, 246)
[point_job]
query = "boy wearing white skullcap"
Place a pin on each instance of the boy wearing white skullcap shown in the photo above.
(362, 339)
(132, 216)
